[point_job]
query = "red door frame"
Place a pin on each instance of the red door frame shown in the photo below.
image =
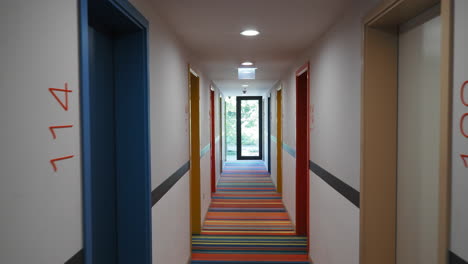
(212, 142)
(302, 149)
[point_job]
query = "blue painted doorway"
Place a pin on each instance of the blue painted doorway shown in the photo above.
(115, 133)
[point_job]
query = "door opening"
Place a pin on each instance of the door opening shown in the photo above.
(269, 134)
(418, 138)
(249, 127)
(212, 142)
(221, 134)
(302, 150)
(115, 133)
(195, 191)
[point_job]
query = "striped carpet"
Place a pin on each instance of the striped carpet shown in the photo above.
(247, 222)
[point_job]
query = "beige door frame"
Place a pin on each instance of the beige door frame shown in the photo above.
(379, 107)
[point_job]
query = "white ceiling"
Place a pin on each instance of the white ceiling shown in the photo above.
(211, 30)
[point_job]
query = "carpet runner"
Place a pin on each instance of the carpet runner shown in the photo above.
(247, 221)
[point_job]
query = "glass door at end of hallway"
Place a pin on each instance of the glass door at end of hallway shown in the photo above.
(249, 127)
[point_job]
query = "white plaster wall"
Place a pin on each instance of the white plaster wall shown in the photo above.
(335, 83)
(289, 138)
(169, 136)
(41, 215)
(205, 184)
(334, 228)
(205, 137)
(289, 184)
(171, 225)
(168, 80)
(274, 132)
(459, 224)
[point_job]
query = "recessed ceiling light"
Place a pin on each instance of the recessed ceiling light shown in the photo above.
(245, 85)
(247, 63)
(250, 32)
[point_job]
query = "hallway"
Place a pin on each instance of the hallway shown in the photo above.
(247, 221)
(247, 131)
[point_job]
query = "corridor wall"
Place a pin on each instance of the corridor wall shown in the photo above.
(169, 60)
(40, 209)
(459, 208)
(335, 83)
(274, 135)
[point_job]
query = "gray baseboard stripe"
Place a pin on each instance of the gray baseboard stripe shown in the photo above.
(454, 259)
(164, 187)
(205, 150)
(78, 258)
(344, 189)
(341, 187)
(289, 150)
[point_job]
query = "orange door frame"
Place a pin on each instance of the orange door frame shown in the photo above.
(194, 121)
(302, 150)
(212, 140)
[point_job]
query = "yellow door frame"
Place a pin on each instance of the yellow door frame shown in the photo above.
(279, 140)
(379, 128)
(194, 134)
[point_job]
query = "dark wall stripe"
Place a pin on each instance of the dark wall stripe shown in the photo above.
(78, 258)
(344, 189)
(289, 150)
(205, 150)
(164, 187)
(340, 186)
(454, 259)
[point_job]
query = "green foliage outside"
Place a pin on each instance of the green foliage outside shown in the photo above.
(249, 123)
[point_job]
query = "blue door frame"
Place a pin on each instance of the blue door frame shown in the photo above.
(127, 28)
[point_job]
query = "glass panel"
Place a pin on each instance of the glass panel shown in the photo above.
(250, 128)
(231, 132)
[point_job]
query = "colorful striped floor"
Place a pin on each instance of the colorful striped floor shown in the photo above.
(247, 222)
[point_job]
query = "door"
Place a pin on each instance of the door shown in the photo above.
(212, 141)
(418, 139)
(249, 127)
(195, 189)
(269, 134)
(302, 150)
(115, 134)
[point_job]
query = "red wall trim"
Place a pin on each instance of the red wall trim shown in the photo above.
(212, 140)
(302, 149)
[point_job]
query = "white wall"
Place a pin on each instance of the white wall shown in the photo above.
(169, 92)
(171, 225)
(205, 139)
(40, 209)
(335, 83)
(274, 133)
(459, 225)
(289, 138)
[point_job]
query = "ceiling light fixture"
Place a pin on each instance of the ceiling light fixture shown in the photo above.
(246, 73)
(250, 32)
(247, 63)
(245, 85)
